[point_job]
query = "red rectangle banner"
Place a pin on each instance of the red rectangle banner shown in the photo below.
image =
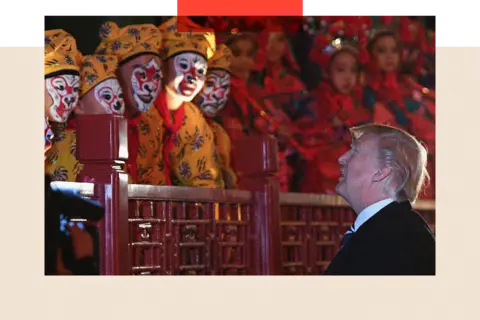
(240, 8)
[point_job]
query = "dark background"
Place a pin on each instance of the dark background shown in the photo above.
(84, 23)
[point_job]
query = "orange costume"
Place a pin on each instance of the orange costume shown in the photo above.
(145, 163)
(189, 153)
(221, 62)
(61, 58)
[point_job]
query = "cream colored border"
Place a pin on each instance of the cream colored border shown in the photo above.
(449, 295)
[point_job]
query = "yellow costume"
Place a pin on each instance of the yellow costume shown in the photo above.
(150, 166)
(61, 56)
(61, 158)
(202, 42)
(145, 163)
(187, 140)
(224, 148)
(194, 157)
(221, 61)
(128, 42)
(60, 162)
(61, 53)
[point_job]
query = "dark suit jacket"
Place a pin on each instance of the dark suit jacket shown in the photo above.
(395, 241)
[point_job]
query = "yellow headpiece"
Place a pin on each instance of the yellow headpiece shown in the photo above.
(96, 69)
(183, 35)
(128, 42)
(221, 59)
(61, 53)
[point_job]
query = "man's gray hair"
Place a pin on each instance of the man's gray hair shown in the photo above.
(404, 155)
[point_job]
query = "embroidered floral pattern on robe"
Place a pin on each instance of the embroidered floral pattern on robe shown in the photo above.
(150, 166)
(194, 158)
(61, 163)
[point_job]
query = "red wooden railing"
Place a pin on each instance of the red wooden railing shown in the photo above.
(159, 230)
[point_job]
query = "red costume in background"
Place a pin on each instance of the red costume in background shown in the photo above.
(275, 85)
(400, 101)
(336, 112)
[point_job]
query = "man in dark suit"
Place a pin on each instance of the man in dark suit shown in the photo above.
(382, 175)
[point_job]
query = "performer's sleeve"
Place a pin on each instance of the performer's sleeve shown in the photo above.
(224, 149)
(150, 166)
(198, 165)
(60, 162)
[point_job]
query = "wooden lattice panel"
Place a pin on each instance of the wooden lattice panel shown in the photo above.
(189, 237)
(312, 228)
(310, 237)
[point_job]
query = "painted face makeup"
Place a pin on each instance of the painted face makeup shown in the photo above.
(110, 95)
(48, 135)
(64, 91)
(146, 83)
(190, 73)
(214, 95)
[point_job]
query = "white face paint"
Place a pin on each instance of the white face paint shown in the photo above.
(110, 96)
(64, 91)
(190, 71)
(146, 84)
(214, 95)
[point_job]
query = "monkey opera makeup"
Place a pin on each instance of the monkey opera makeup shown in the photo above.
(110, 95)
(146, 83)
(190, 73)
(64, 91)
(214, 95)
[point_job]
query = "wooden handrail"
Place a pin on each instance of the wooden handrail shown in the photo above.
(325, 200)
(84, 189)
(173, 193)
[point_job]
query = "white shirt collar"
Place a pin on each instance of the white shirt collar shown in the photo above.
(369, 212)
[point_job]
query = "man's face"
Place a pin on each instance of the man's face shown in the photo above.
(186, 75)
(63, 93)
(359, 165)
(213, 98)
(141, 80)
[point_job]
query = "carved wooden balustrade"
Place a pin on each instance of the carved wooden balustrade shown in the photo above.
(160, 230)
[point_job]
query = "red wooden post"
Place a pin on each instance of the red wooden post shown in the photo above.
(102, 149)
(256, 161)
